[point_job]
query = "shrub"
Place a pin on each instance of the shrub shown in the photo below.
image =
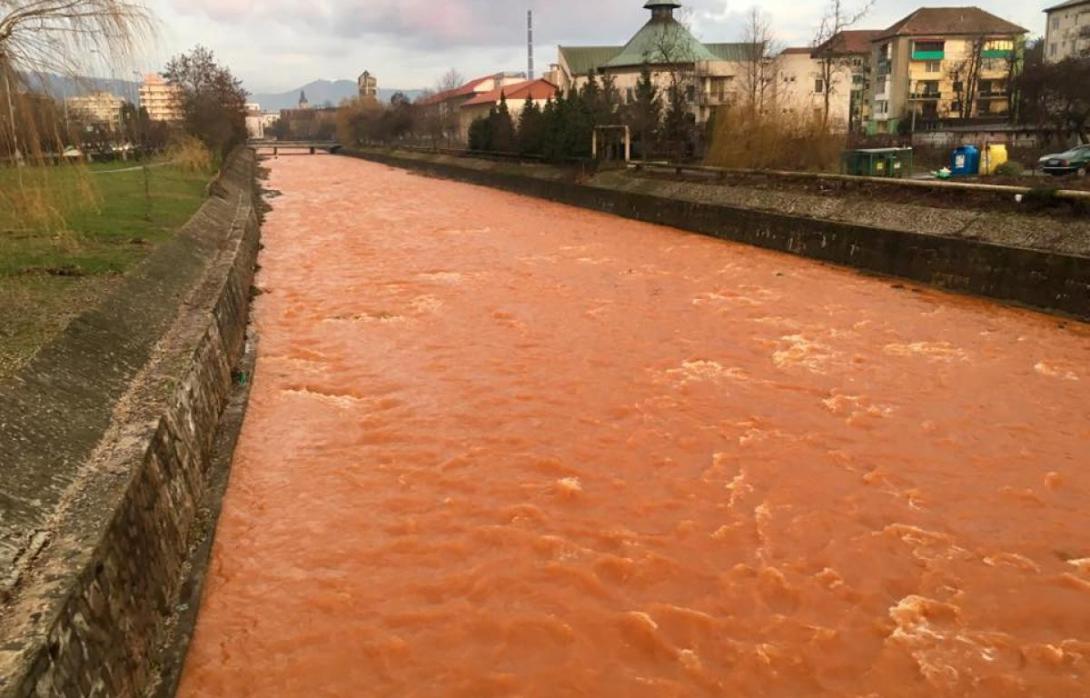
(191, 154)
(744, 138)
(1010, 169)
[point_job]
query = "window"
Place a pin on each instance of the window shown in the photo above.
(1055, 22)
(819, 86)
(934, 66)
(929, 46)
(1052, 50)
(631, 95)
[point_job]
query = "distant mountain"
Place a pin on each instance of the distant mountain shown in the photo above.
(60, 86)
(319, 93)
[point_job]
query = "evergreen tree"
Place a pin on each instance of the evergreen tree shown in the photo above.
(611, 102)
(480, 132)
(551, 128)
(503, 128)
(644, 113)
(531, 128)
(579, 121)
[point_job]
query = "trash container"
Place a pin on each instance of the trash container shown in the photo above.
(899, 163)
(992, 157)
(877, 162)
(965, 161)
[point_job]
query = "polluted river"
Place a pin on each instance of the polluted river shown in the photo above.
(498, 446)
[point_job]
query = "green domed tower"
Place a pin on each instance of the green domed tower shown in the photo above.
(662, 40)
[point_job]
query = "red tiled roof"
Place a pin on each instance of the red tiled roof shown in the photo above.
(470, 88)
(945, 21)
(534, 89)
(850, 42)
(796, 50)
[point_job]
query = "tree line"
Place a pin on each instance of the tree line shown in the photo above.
(659, 120)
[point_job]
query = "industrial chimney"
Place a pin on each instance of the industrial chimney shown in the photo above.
(530, 44)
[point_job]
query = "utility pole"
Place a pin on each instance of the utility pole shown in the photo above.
(530, 44)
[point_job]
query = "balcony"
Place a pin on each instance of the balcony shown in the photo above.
(928, 55)
(994, 94)
(925, 96)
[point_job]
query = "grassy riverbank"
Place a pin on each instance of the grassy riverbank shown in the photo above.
(67, 235)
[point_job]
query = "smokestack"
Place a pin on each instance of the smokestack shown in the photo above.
(530, 44)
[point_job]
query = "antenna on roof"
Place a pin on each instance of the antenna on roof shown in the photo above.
(530, 44)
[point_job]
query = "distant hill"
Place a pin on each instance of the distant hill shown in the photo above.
(60, 86)
(319, 93)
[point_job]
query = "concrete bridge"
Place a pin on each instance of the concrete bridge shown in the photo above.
(312, 146)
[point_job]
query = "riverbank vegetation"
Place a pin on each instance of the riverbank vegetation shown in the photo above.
(82, 202)
(95, 223)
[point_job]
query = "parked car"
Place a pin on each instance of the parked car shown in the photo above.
(1074, 161)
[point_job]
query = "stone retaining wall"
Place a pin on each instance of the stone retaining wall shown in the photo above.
(105, 443)
(1039, 279)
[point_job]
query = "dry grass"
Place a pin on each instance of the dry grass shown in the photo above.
(190, 154)
(744, 139)
(32, 199)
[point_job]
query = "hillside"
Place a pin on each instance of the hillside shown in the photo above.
(320, 92)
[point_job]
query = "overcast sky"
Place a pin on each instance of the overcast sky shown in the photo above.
(278, 45)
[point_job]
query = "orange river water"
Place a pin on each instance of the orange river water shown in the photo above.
(503, 447)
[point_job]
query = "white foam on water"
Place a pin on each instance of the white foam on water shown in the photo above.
(342, 401)
(803, 353)
(1052, 372)
(569, 486)
(446, 277)
(704, 371)
(426, 304)
(932, 351)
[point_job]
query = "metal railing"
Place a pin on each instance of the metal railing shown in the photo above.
(722, 173)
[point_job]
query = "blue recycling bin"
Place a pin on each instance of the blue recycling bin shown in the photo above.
(965, 161)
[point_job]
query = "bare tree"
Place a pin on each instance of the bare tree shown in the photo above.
(443, 117)
(451, 80)
(832, 62)
(53, 35)
(966, 78)
(759, 44)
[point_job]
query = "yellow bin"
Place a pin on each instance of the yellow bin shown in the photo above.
(991, 157)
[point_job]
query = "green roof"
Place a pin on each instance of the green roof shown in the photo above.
(583, 60)
(648, 46)
(731, 52)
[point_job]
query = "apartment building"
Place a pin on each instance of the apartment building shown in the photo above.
(161, 99)
(1067, 32)
(98, 108)
(942, 63)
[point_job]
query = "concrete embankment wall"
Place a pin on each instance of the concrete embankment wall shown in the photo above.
(105, 443)
(1040, 279)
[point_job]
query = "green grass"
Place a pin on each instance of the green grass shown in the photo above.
(92, 224)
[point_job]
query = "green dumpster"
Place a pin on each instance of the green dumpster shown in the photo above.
(878, 162)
